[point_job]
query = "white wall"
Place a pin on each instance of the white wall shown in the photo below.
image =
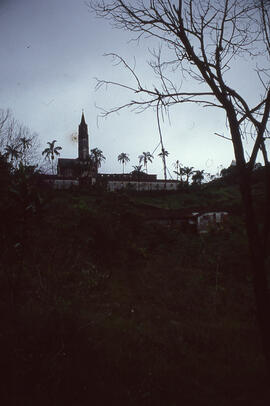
(114, 185)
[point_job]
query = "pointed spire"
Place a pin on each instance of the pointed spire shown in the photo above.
(83, 119)
(83, 144)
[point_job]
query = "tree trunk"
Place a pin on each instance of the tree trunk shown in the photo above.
(165, 170)
(258, 264)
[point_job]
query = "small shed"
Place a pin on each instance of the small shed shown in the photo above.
(211, 220)
(186, 219)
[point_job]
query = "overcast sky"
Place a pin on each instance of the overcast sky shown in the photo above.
(51, 52)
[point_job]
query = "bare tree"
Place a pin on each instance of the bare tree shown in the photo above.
(18, 138)
(204, 39)
(4, 117)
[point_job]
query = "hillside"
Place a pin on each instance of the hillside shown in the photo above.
(99, 307)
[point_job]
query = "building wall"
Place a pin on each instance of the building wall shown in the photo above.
(114, 185)
(62, 183)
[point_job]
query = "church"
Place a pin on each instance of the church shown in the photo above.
(82, 167)
(84, 171)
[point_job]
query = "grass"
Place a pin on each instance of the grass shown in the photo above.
(227, 197)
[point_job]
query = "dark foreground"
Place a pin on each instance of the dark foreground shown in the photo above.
(99, 308)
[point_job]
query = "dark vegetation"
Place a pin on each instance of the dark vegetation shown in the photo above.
(99, 308)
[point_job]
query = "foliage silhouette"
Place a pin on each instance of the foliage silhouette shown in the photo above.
(50, 152)
(123, 159)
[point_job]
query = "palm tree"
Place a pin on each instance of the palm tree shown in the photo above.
(180, 173)
(12, 152)
(188, 171)
(163, 154)
(177, 166)
(137, 170)
(145, 158)
(198, 177)
(25, 144)
(51, 151)
(97, 156)
(137, 173)
(123, 158)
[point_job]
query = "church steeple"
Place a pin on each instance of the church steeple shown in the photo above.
(83, 144)
(83, 119)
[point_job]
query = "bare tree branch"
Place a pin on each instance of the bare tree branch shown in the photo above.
(204, 39)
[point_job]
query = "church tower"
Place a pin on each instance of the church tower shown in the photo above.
(83, 145)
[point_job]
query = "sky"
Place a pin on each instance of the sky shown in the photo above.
(51, 53)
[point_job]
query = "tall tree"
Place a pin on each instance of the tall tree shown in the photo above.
(123, 158)
(206, 40)
(97, 156)
(164, 154)
(145, 158)
(177, 167)
(25, 145)
(50, 152)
